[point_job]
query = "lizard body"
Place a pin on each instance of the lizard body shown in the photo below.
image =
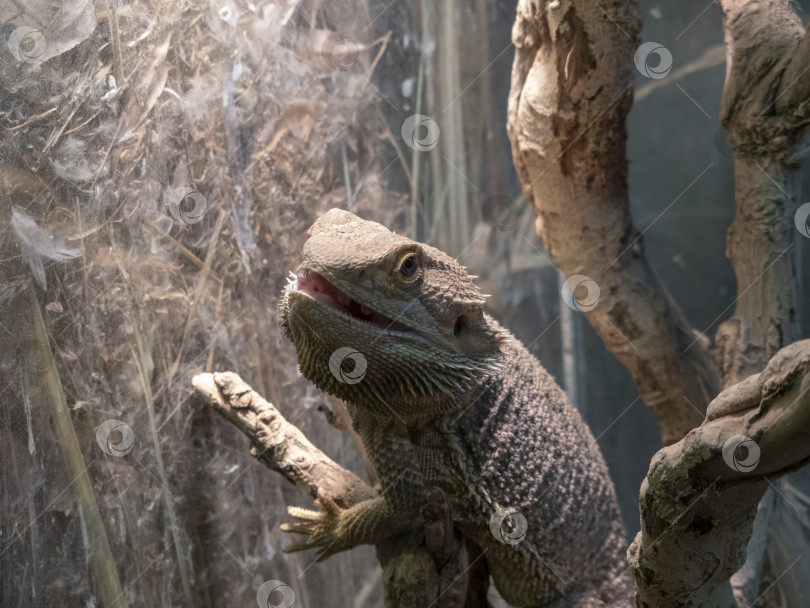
(442, 396)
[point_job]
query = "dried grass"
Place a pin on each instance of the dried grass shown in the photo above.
(136, 104)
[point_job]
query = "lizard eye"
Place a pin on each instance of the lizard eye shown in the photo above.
(409, 267)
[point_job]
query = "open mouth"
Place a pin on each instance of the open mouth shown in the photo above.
(316, 286)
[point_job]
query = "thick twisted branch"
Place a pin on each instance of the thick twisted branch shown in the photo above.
(700, 496)
(276, 443)
(571, 90)
(765, 110)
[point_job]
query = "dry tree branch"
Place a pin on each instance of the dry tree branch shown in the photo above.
(276, 443)
(572, 86)
(570, 96)
(765, 111)
(700, 496)
(427, 565)
(766, 66)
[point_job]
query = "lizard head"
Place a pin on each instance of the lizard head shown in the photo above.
(386, 323)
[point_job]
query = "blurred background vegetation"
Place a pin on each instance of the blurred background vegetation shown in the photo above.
(160, 163)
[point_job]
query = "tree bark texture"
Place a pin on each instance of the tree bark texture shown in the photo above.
(571, 91)
(572, 86)
(765, 111)
(700, 497)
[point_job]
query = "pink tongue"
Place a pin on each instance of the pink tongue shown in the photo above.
(321, 289)
(312, 282)
(318, 287)
(321, 284)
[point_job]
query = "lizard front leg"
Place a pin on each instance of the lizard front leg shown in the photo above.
(333, 529)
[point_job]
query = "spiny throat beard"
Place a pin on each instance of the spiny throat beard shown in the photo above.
(404, 373)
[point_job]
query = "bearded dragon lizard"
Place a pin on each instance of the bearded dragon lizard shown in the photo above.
(442, 396)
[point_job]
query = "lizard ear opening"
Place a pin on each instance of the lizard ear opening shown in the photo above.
(459, 326)
(474, 336)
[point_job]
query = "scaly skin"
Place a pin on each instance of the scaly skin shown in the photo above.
(442, 396)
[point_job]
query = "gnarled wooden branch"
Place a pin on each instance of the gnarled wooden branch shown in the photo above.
(276, 443)
(425, 566)
(765, 109)
(700, 496)
(572, 86)
(569, 98)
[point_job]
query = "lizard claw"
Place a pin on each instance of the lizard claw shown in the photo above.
(322, 528)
